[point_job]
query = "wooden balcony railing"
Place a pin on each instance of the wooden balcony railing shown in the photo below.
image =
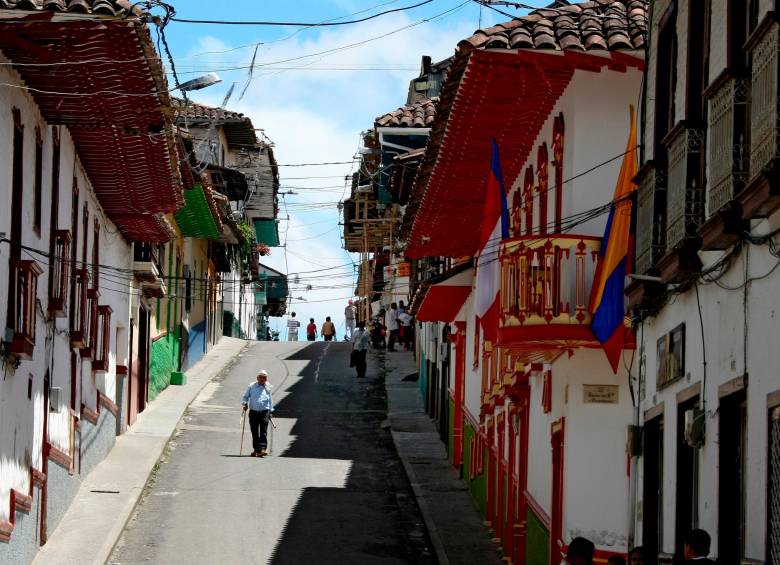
(58, 274)
(651, 217)
(102, 338)
(547, 280)
(685, 198)
(25, 275)
(90, 324)
(764, 101)
(727, 150)
(78, 331)
(761, 196)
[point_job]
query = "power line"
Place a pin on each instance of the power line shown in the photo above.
(299, 24)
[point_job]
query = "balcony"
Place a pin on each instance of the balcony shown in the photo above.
(102, 338)
(684, 202)
(651, 217)
(147, 271)
(79, 337)
(545, 291)
(761, 196)
(58, 275)
(727, 157)
(24, 278)
(90, 324)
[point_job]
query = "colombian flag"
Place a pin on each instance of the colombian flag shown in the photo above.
(607, 302)
(494, 229)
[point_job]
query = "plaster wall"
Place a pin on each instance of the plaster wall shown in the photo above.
(739, 325)
(239, 298)
(595, 108)
(21, 417)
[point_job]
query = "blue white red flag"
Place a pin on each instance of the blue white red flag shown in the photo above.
(494, 229)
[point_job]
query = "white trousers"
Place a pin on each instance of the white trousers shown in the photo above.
(349, 327)
(292, 335)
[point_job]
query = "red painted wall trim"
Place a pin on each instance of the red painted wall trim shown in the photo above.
(89, 415)
(38, 477)
(537, 509)
(60, 458)
(121, 369)
(21, 501)
(6, 529)
(109, 404)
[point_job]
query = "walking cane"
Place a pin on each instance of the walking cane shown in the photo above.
(273, 427)
(243, 424)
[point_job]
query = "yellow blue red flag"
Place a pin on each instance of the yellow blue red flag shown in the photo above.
(607, 301)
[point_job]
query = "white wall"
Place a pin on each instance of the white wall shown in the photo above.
(21, 420)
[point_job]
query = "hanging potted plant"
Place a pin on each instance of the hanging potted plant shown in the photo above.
(262, 249)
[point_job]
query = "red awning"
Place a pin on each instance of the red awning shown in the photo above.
(442, 303)
(503, 95)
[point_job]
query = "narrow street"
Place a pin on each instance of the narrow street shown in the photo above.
(332, 491)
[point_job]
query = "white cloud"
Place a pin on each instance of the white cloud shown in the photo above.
(316, 116)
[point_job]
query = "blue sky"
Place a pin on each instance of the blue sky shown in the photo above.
(314, 107)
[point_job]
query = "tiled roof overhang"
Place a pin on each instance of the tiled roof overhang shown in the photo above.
(98, 7)
(238, 128)
(499, 94)
(498, 85)
(418, 115)
(110, 92)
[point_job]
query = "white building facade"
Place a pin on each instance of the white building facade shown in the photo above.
(707, 223)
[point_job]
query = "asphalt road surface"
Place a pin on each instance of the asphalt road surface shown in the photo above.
(332, 491)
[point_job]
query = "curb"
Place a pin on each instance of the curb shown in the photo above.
(430, 525)
(419, 495)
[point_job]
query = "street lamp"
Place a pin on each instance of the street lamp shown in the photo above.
(200, 82)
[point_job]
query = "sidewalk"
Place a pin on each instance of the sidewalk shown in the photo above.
(106, 499)
(453, 521)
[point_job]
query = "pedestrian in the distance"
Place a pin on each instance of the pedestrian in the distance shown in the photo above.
(391, 323)
(292, 328)
(260, 403)
(580, 552)
(328, 330)
(311, 330)
(696, 548)
(349, 320)
(360, 342)
(404, 328)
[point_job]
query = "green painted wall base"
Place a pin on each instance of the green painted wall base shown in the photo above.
(178, 378)
(478, 485)
(165, 360)
(538, 540)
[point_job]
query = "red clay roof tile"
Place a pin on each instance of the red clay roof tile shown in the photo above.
(418, 115)
(600, 25)
(102, 7)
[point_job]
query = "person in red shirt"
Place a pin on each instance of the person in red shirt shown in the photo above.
(311, 330)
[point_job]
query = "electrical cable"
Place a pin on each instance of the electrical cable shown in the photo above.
(299, 24)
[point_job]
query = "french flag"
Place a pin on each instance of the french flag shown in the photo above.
(494, 229)
(607, 300)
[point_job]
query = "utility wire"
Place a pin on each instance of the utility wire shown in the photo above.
(299, 24)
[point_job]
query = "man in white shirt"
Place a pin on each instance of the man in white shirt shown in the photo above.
(260, 403)
(360, 342)
(292, 328)
(391, 323)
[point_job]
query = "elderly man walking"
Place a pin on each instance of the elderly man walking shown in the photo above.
(260, 403)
